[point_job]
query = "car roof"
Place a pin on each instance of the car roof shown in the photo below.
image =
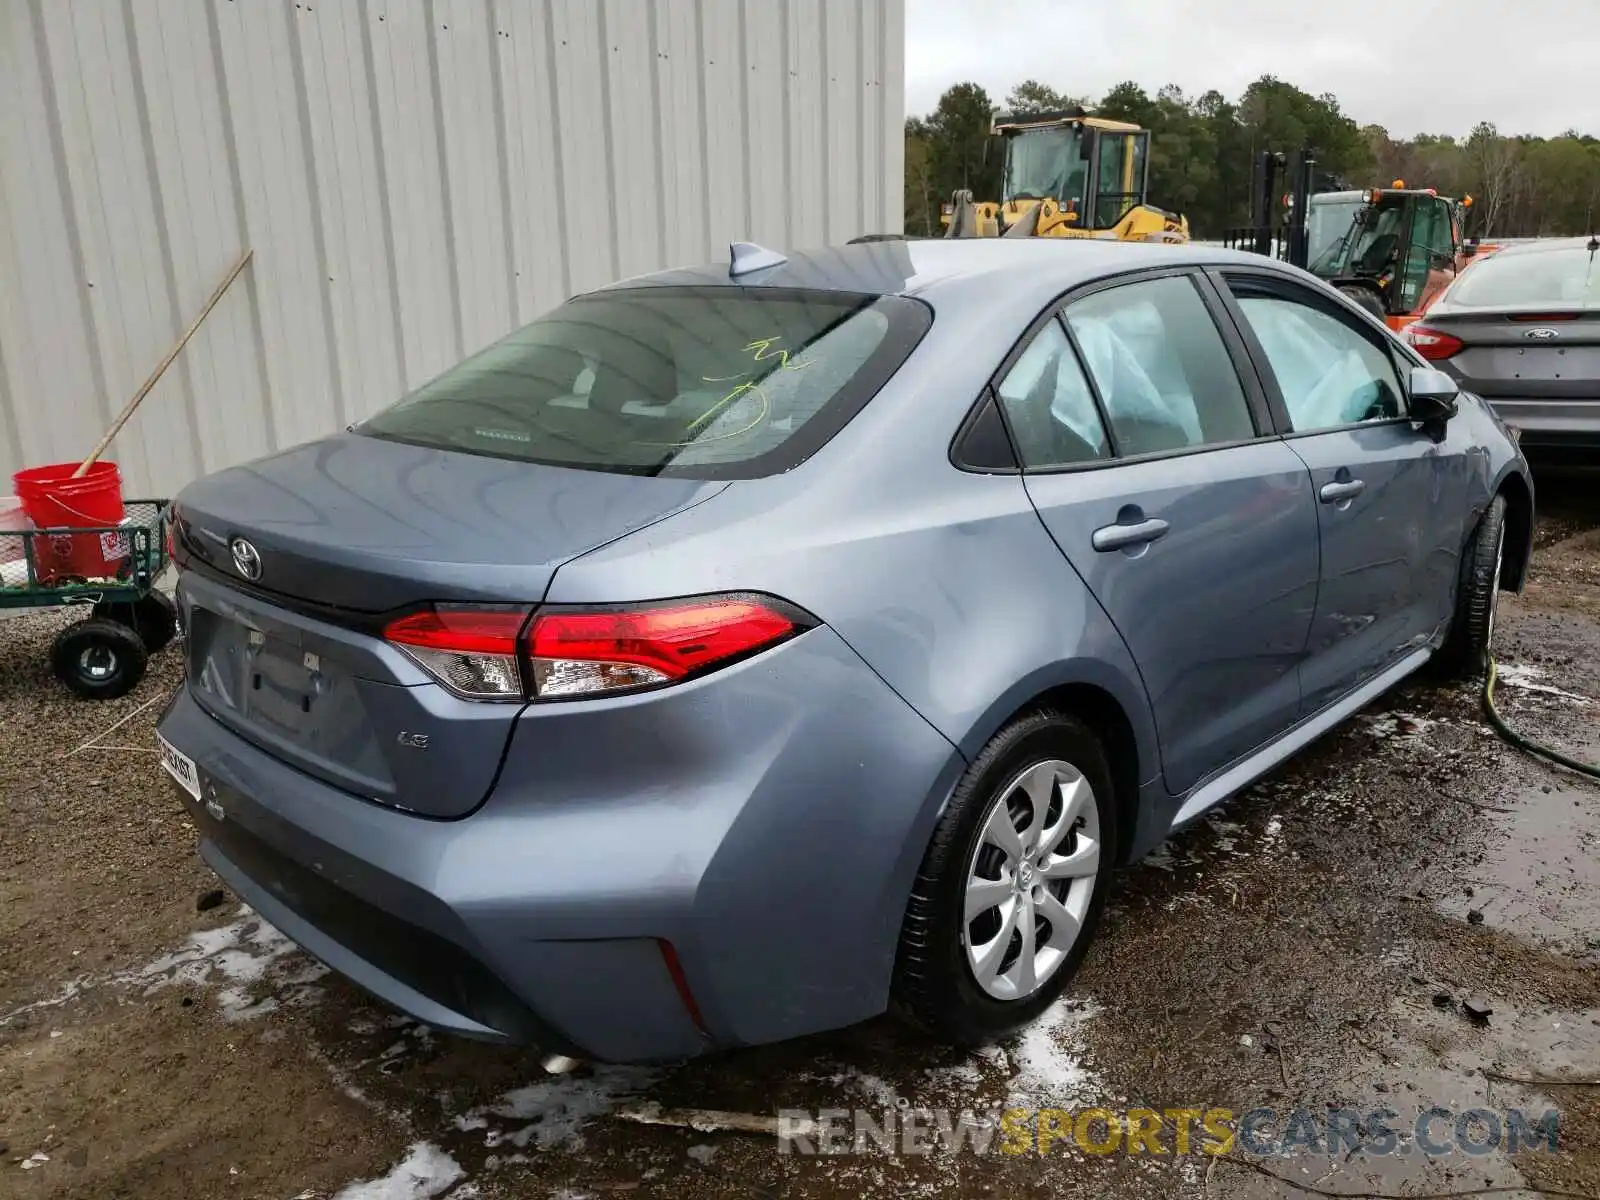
(1022, 271)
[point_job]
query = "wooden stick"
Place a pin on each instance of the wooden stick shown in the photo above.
(155, 376)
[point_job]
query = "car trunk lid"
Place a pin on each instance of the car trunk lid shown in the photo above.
(1536, 354)
(346, 532)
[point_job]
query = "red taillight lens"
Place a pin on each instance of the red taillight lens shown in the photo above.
(471, 650)
(474, 650)
(577, 653)
(1432, 344)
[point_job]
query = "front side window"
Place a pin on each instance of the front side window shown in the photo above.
(1049, 407)
(1329, 373)
(703, 382)
(1160, 366)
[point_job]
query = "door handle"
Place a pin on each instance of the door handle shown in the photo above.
(1120, 537)
(1347, 489)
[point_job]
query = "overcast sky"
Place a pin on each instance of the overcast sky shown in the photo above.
(1531, 66)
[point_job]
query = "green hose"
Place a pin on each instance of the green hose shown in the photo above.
(1516, 739)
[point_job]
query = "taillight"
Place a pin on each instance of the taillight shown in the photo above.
(584, 652)
(471, 650)
(1432, 344)
(480, 652)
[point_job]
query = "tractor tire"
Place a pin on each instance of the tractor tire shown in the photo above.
(1041, 787)
(99, 659)
(1365, 299)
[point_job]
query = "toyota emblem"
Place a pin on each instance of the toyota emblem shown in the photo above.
(246, 558)
(1543, 334)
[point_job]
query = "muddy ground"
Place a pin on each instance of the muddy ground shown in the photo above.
(1322, 940)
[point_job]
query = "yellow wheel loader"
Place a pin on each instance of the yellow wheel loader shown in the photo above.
(1068, 175)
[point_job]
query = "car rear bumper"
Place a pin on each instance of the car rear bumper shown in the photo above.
(1574, 423)
(765, 822)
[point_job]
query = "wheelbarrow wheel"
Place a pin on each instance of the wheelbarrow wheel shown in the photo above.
(153, 616)
(100, 659)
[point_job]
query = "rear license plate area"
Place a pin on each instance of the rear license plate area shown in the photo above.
(264, 676)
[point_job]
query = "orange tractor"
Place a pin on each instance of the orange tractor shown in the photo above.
(1391, 250)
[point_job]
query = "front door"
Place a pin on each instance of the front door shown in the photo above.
(1389, 494)
(1197, 536)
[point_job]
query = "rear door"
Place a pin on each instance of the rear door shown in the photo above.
(1391, 497)
(1198, 536)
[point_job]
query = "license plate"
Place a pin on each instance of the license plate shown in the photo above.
(180, 766)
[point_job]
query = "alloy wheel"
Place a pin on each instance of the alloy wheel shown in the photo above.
(1030, 879)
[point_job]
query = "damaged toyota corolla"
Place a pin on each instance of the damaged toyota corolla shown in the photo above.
(739, 652)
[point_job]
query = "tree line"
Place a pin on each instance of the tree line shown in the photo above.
(1203, 150)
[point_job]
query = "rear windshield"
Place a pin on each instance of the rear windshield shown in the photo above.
(704, 382)
(1566, 278)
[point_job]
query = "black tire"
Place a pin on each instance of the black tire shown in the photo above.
(1465, 653)
(934, 984)
(1365, 298)
(153, 616)
(99, 658)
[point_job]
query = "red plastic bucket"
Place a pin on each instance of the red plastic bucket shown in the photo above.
(53, 499)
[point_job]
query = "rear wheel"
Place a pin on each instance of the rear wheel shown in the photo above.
(1365, 298)
(1013, 883)
(1465, 653)
(100, 659)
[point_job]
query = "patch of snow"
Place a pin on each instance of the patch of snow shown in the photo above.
(880, 1091)
(553, 1111)
(1050, 1055)
(962, 1074)
(1516, 675)
(1401, 725)
(425, 1172)
(65, 996)
(240, 955)
(1160, 858)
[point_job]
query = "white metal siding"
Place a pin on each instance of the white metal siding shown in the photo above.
(416, 177)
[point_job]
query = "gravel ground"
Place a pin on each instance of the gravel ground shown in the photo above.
(1322, 940)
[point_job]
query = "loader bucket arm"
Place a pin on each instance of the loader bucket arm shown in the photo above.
(963, 216)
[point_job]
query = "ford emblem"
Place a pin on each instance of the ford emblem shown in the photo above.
(1542, 334)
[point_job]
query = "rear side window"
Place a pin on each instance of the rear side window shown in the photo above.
(1161, 368)
(1048, 404)
(703, 382)
(1565, 278)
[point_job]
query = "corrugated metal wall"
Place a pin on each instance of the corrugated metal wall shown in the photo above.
(416, 177)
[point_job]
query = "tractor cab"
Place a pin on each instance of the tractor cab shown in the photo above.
(1402, 245)
(1068, 174)
(1094, 169)
(1390, 250)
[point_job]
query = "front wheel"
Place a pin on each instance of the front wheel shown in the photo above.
(1465, 653)
(1013, 883)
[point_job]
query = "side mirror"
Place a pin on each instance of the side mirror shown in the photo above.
(1433, 395)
